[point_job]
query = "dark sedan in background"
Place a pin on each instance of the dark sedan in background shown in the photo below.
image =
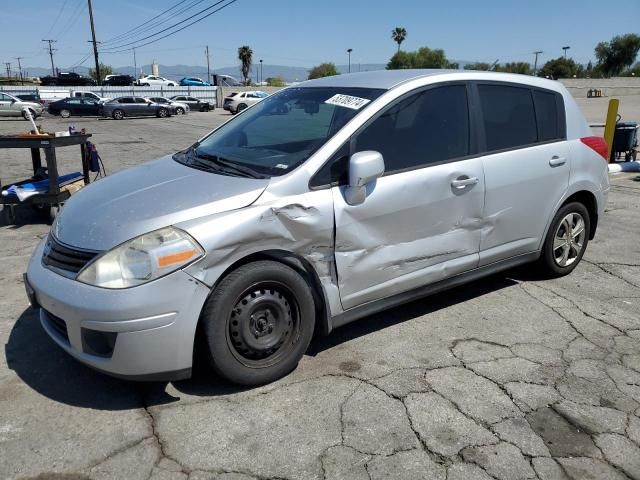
(195, 104)
(75, 106)
(118, 108)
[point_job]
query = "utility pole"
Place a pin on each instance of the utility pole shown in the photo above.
(135, 64)
(261, 79)
(208, 65)
(95, 44)
(20, 69)
(565, 50)
(51, 50)
(535, 64)
(8, 65)
(349, 50)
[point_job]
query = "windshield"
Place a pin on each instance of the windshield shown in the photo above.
(282, 131)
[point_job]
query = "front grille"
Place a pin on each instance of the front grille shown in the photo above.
(65, 258)
(57, 324)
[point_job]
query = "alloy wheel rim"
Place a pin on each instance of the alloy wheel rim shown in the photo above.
(263, 325)
(568, 240)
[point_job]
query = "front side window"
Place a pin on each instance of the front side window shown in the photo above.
(428, 127)
(284, 130)
(509, 116)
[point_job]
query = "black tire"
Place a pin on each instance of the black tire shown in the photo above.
(549, 264)
(162, 113)
(171, 84)
(258, 323)
(33, 114)
(179, 111)
(117, 114)
(65, 113)
(241, 107)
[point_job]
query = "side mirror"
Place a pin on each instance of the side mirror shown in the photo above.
(364, 169)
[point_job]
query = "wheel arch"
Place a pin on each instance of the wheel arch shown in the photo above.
(588, 199)
(300, 265)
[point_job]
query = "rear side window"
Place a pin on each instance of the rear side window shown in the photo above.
(549, 115)
(509, 116)
(428, 127)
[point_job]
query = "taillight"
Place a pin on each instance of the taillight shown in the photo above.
(597, 144)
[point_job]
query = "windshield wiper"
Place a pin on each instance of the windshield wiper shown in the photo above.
(226, 164)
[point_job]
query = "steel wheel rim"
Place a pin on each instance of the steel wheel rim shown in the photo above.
(264, 324)
(568, 240)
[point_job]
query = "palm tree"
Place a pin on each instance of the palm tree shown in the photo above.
(245, 55)
(399, 34)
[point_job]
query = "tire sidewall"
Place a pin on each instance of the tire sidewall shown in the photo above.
(62, 113)
(548, 261)
(216, 318)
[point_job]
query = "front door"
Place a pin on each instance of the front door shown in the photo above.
(421, 221)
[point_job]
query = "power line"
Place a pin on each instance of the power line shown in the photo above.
(57, 17)
(139, 29)
(73, 18)
(113, 49)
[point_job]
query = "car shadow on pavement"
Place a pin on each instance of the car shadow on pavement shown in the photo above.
(51, 372)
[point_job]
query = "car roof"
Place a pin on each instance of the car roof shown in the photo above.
(387, 79)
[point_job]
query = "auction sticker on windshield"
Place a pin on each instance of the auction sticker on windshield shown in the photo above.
(348, 101)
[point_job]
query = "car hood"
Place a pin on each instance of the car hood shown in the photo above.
(148, 197)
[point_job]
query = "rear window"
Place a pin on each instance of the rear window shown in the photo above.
(509, 116)
(549, 115)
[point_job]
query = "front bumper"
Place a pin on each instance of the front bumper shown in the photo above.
(153, 325)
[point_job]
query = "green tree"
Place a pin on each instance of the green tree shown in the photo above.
(522, 68)
(477, 66)
(399, 34)
(275, 82)
(104, 71)
(245, 55)
(323, 70)
(422, 58)
(633, 71)
(559, 68)
(617, 54)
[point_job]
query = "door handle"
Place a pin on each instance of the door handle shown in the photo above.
(462, 182)
(556, 161)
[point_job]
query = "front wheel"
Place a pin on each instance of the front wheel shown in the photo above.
(33, 114)
(118, 114)
(566, 240)
(258, 323)
(64, 113)
(179, 111)
(163, 113)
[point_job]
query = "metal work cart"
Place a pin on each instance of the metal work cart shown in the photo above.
(55, 196)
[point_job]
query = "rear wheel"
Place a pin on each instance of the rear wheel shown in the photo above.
(258, 323)
(566, 240)
(241, 107)
(64, 113)
(118, 114)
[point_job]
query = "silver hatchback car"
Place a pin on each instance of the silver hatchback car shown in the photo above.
(322, 204)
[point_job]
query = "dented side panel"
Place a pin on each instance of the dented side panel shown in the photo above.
(414, 228)
(299, 224)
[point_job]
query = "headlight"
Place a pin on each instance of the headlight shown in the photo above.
(143, 259)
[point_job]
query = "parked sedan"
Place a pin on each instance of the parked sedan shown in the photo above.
(154, 80)
(119, 108)
(181, 108)
(76, 106)
(194, 82)
(119, 80)
(194, 103)
(238, 101)
(11, 106)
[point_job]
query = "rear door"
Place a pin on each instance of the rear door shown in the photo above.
(5, 105)
(526, 165)
(418, 224)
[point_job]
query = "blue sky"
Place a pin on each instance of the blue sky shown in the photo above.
(307, 32)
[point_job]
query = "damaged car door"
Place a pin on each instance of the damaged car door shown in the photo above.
(420, 222)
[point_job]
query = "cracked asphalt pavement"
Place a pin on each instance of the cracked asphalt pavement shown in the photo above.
(511, 377)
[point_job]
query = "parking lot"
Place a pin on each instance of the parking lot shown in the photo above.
(511, 377)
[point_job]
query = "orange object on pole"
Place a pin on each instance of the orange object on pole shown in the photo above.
(610, 124)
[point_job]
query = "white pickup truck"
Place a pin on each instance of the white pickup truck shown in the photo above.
(51, 95)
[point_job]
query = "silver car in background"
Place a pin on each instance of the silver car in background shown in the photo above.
(181, 108)
(320, 205)
(122, 107)
(11, 106)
